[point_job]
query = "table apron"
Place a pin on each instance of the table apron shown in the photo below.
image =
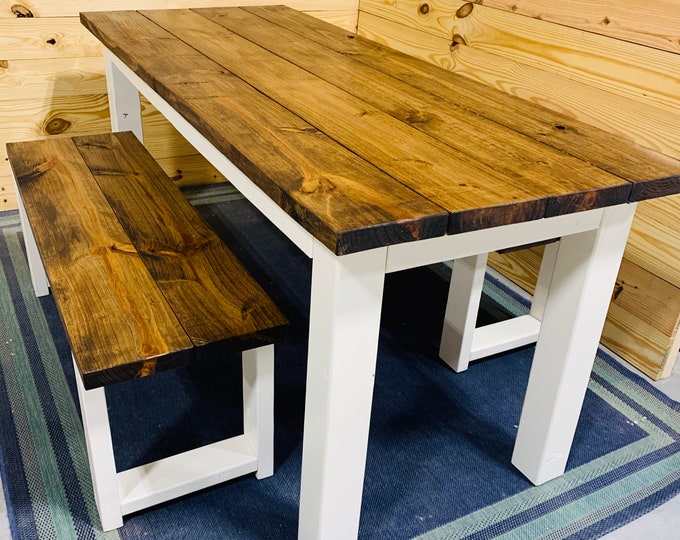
(445, 248)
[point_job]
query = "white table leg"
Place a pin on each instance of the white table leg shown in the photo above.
(124, 107)
(462, 306)
(583, 279)
(544, 279)
(343, 344)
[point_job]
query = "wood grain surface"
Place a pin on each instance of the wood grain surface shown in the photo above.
(465, 148)
(346, 202)
(90, 262)
(140, 280)
(607, 151)
(212, 294)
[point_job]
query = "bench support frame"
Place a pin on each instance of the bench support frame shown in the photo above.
(121, 493)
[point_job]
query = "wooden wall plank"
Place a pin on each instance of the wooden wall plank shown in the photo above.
(71, 8)
(45, 78)
(410, 40)
(626, 69)
(655, 23)
(653, 242)
(63, 37)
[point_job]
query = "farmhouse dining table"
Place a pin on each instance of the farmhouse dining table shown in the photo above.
(372, 161)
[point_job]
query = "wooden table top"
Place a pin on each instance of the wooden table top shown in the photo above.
(365, 146)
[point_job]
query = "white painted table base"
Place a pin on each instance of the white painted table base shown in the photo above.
(345, 317)
(462, 342)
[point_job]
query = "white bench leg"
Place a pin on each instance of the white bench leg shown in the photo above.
(35, 265)
(462, 306)
(258, 406)
(100, 454)
(120, 493)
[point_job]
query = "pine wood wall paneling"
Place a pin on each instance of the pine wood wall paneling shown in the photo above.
(640, 73)
(71, 8)
(654, 241)
(46, 77)
(655, 23)
(32, 38)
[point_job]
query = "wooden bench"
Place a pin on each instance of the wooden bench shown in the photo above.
(142, 284)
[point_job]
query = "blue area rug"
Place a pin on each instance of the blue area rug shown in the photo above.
(440, 444)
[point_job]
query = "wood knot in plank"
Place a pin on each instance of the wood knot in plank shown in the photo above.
(38, 170)
(417, 117)
(121, 248)
(56, 126)
(618, 289)
(424, 9)
(465, 10)
(4, 64)
(148, 368)
(317, 184)
(21, 11)
(456, 40)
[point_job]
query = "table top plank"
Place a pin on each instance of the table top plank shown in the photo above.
(571, 183)
(653, 174)
(483, 195)
(345, 202)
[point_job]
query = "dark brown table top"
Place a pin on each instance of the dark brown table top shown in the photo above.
(365, 146)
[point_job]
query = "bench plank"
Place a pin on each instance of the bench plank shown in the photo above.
(90, 262)
(214, 297)
(140, 280)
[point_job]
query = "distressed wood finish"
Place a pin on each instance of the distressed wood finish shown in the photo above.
(434, 128)
(346, 201)
(139, 279)
(509, 152)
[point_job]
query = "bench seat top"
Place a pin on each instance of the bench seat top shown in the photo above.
(141, 282)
